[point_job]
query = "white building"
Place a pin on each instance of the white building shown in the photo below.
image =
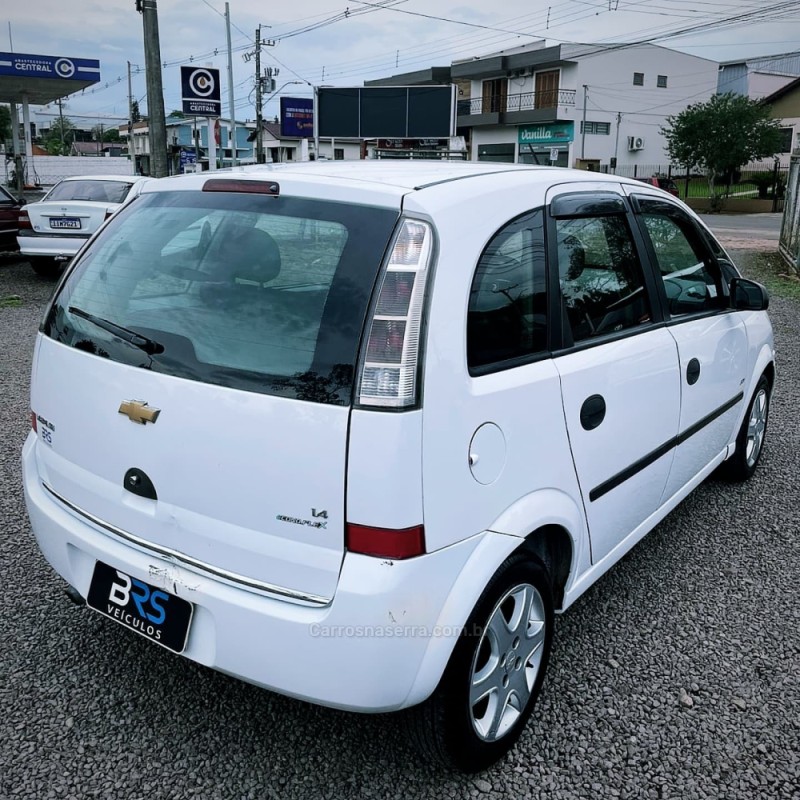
(529, 104)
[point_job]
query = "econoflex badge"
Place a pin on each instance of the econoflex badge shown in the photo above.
(200, 91)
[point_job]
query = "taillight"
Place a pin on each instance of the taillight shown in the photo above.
(25, 221)
(388, 369)
(386, 542)
(33, 422)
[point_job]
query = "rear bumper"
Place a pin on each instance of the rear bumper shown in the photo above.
(51, 246)
(381, 644)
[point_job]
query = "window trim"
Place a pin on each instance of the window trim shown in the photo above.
(670, 209)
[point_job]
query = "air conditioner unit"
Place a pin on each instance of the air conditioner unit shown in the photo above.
(635, 143)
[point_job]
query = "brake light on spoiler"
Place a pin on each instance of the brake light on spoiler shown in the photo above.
(241, 186)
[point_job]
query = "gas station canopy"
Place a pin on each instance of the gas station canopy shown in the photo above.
(38, 80)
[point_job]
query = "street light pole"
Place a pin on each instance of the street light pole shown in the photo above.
(231, 104)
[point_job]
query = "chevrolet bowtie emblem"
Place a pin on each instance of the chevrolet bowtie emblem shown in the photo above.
(139, 411)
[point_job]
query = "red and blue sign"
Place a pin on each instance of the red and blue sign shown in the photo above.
(297, 117)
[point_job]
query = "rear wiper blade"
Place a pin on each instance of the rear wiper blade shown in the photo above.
(150, 346)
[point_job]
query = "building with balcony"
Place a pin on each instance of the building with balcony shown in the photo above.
(598, 106)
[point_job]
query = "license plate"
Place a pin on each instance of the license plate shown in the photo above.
(155, 614)
(66, 222)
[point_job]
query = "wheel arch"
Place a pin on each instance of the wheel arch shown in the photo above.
(553, 546)
(548, 524)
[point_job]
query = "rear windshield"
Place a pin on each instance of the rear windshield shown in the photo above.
(265, 294)
(99, 191)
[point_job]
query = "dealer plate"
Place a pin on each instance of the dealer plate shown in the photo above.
(155, 614)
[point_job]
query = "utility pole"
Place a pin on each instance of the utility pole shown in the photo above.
(155, 91)
(231, 104)
(131, 154)
(583, 126)
(61, 125)
(259, 130)
(616, 143)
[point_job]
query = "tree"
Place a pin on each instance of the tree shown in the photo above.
(722, 135)
(135, 114)
(59, 137)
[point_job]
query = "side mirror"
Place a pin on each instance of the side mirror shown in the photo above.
(747, 295)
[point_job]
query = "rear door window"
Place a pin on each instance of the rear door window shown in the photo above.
(259, 293)
(601, 277)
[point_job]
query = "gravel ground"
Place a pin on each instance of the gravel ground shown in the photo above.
(704, 608)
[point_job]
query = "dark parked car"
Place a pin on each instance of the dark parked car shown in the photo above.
(667, 184)
(9, 220)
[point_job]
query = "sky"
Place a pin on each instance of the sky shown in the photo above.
(345, 42)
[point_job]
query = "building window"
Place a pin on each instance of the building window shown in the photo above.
(496, 152)
(600, 128)
(661, 82)
(494, 97)
(786, 140)
(638, 78)
(338, 154)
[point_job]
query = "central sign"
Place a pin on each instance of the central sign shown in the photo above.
(57, 67)
(200, 92)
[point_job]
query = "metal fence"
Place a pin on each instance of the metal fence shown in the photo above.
(749, 182)
(790, 229)
(525, 101)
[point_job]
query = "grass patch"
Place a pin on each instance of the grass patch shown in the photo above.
(771, 270)
(12, 301)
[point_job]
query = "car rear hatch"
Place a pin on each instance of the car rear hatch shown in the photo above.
(195, 380)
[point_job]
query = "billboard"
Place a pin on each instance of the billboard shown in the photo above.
(396, 112)
(22, 65)
(200, 92)
(297, 117)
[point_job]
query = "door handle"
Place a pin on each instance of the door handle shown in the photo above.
(692, 372)
(593, 412)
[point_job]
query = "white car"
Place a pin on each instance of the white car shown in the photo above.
(354, 432)
(52, 230)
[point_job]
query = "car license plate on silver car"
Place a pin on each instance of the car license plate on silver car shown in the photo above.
(66, 222)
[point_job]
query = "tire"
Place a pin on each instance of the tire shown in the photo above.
(505, 647)
(750, 440)
(44, 267)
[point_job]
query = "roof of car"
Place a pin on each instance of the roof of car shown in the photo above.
(380, 181)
